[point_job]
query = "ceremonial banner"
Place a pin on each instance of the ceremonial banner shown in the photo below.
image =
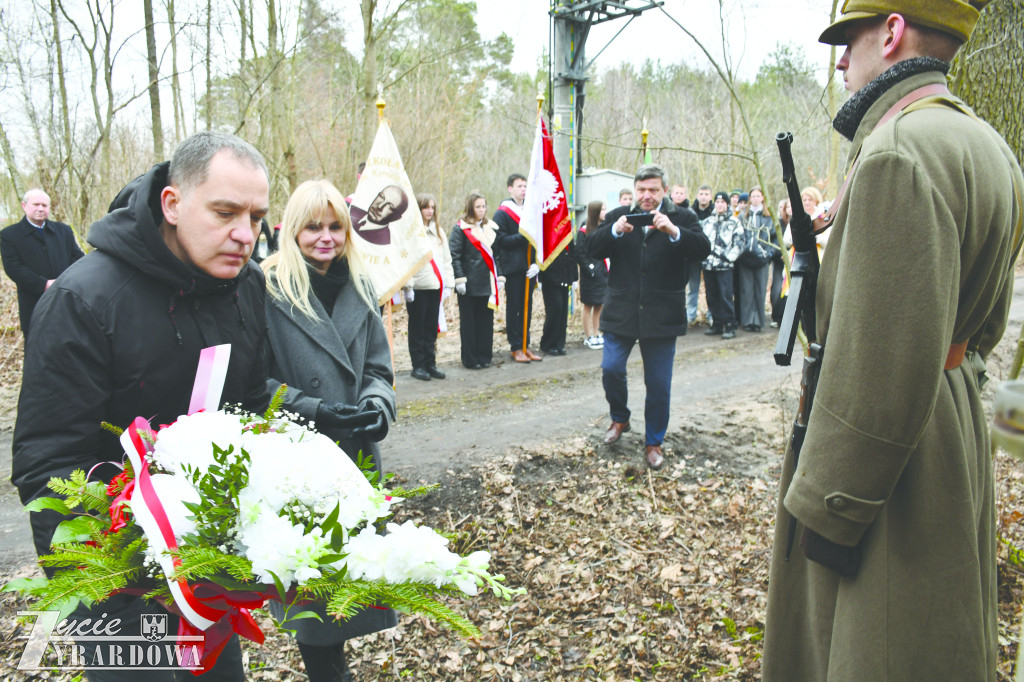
(545, 217)
(386, 221)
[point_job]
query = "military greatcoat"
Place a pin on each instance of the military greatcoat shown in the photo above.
(896, 457)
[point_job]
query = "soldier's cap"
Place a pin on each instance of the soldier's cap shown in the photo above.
(723, 196)
(954, 17)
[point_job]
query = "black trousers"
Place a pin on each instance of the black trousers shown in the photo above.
(778, 303)
(556, 316)
(515, 300)
(476, 330)
(423, 311)
(719, 291)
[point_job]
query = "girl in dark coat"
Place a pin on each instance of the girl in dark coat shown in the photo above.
(478, 281)
(593, 278)
(325, 340)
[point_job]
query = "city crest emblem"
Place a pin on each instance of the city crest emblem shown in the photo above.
(154, 626)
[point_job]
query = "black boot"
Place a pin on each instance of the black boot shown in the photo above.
(325, 663)
(713, 330)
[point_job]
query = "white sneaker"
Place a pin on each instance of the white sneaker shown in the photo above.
(590, 342)
(598, 342)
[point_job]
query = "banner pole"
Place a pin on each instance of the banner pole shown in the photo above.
(529, 258)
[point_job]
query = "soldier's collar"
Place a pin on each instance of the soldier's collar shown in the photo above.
(850, 114)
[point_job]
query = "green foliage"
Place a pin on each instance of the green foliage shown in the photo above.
(347, 599)
(200, 563)
(78, 491)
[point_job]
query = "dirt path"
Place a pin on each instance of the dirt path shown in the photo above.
(474, 415)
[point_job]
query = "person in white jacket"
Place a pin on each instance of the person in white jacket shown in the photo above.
(424, 294)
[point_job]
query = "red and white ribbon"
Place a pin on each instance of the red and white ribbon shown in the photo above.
(149, 512)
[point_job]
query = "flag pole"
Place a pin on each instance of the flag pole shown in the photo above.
(390, 320)
(526, 293)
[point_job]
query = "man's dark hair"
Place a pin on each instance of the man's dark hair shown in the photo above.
(190, 164)
(361, 167)
(515, 176)
(649, 171)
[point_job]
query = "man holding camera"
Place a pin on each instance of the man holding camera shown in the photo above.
(647, 244)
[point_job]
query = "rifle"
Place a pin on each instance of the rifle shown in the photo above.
(803, 284)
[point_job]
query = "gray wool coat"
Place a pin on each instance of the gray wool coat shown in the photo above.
(341, 358)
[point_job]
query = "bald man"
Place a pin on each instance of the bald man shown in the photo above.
(35, 250)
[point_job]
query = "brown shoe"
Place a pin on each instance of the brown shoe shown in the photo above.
(615, 431)
(519, 356)
(533, 356)
(654, 457)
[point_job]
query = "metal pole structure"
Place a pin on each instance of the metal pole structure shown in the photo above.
(572, 20)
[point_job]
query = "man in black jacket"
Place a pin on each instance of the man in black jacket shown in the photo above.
(645, 299)
(35, 251)
(119, 336)
(519, 269)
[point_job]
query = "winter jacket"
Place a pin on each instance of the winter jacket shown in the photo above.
(562, 270)
(426, 278)
(468, 263)
(341, 357)
(727, 239)
(119, 335)
(593, 272)
(647, 278)
(33, 255)
(509, 243)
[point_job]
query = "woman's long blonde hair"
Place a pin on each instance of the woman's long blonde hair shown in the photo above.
(287, 277)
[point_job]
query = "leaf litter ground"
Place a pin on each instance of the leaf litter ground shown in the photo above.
(631, 575)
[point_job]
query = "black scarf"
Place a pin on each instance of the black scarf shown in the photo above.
(326, 287)
(850, 114)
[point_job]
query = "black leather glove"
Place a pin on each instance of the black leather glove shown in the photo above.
(838, 558)
(375, 421)
(334, 417)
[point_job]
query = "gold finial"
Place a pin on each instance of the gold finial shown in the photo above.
(643, 134)
(540, 97)
(380, 101)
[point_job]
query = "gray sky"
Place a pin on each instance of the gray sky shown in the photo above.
(754, 27)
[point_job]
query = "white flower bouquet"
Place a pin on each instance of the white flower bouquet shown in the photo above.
(220, 512)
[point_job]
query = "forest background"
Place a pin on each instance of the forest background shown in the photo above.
(96, 93)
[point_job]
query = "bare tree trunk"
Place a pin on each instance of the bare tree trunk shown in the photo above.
(209, 76)
(9, 161)
(62, 89)
(368, 84)
(176, 104)
(834, 169)
(154, 81)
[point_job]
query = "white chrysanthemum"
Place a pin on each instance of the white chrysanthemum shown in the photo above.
(412, 553)
(189, 441)
(308, 468)
(274, 545)
(173, 492)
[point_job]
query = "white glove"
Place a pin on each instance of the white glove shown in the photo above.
(532, 271)
(461, 288)
(501, 285)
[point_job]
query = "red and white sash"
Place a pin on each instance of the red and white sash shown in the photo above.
(511, 209)
(488, 256)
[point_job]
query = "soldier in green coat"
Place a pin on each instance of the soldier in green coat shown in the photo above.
(893, 576)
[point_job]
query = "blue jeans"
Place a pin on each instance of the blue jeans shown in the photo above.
(658, 354)
(692, 292)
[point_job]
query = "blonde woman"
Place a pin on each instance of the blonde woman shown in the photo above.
(325, 340)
